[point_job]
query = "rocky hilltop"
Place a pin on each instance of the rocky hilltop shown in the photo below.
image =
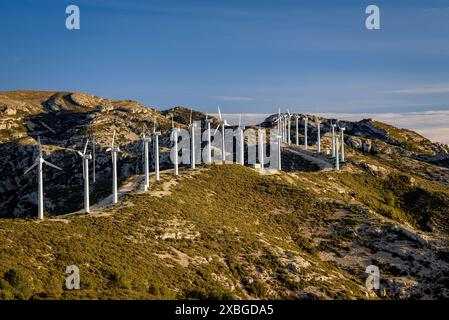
(307, 232)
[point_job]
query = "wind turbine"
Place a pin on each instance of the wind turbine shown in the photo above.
(280, 124)
(223, 124)
(305, 133)
(192, 126)
(145, 141)
(289, 126)
(86, 158)
(297, 129)
(279, 141)
(333, 125)
(342, 142)
(285, 127)
(40, 183)
(318, 122)
(337, 158)
(175, 146)
(261, 148)
(156, 135)
(209, 147)
(240, 129)
(114, 151)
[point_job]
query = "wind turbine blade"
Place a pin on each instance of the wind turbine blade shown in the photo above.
(84, 171)
(85, 147)
(219, 113)
(240, 120)
(215, 132)
(52, 165)
(206, 116)
(172, 123)
(190, 121)
(79, 152)
(108, 149)
(28, 170)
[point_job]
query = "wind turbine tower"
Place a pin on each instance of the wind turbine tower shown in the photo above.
(114, 151)
(223, 124)
(145, 141)
(175, 147)
(261, 148)
(40, 181)
(86, 157)
(192, 126)
(337, 158)
(208, 137)
(241, 136)
(156, 135)
(297, 128)
(333, 125)
(342, 130)
(289, 125)
(305, 133)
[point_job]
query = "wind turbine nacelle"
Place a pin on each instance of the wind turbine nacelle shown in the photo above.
(88, 156)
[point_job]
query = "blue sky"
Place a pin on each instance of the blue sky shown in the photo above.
(246, 56)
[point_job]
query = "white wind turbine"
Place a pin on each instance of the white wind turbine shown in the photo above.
(156, 135)
(297, 128)
(289, 126)
(279, 137)
(337, 158)
(114, 151)
(145, 141)
(333, 125)
(285, 116)
(40, 182)
(305, 133)
(192, 126)
(86, 157)
(318, 123)
(280, 124)
(342, 143)
(208, 137)
(241, 136)
(261, 139)
(175, 146)
(223, 124)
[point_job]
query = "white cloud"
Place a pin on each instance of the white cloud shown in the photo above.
(234, 98)
(435, 89)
